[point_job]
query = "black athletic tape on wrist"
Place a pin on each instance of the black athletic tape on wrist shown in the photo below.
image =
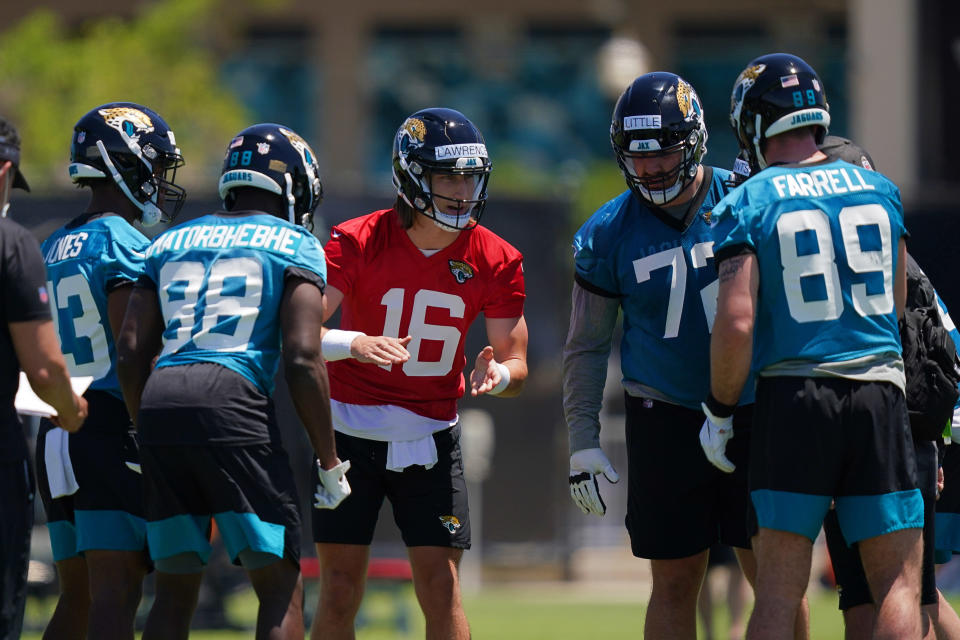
(717, 408)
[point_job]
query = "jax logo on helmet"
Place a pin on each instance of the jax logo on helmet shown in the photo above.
(127, 120)
(687, 100)
(411, 134)
(745, 80)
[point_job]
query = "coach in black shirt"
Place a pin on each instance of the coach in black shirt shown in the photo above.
(27, 341)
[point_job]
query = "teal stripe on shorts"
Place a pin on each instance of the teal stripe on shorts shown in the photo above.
(179, 534)
(948, 532)
(247, 531)
(63, 539)
(864, 517)
(110, 530)
(799, 513)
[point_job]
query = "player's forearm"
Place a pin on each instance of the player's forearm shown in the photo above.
(584, 378)
(585, 357)
(38, 352)
(51, 383)
(731, 345)
(581, 410)
(310, 390)
(730, 353)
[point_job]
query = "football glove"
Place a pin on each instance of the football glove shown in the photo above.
(333, 486)
(585, 466)
(713, 438)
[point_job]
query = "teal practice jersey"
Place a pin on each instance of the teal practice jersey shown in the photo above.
(664, 277)
(85, 262)
(220, 281)
(826, 238)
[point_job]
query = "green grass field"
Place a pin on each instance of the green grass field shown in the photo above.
(508, 612)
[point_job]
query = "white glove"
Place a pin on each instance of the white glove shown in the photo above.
(333, 486)
(713, 438)
(585, 465)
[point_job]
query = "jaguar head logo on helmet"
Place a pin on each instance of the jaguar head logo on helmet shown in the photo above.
(133, 146)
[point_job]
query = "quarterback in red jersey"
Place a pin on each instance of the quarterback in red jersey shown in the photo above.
(411, 280)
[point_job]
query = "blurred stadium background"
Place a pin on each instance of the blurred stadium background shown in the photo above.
(539, 77)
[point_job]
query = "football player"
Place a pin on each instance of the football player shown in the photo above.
(410, 281)
(89, 482)
(27, 341)
(855, 600)
(219, 296)
(649, 253)
(812, 264)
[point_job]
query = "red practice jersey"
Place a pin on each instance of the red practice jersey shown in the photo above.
(392, 289)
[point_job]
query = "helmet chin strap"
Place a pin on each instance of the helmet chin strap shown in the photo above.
(446, 221)
(150, 213)
(306, 221)
(291, 201)
(6, 184)
(756, 144)
(665, 195)
(656, 196)
(448, 226)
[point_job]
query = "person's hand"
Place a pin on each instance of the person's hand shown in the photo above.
(486, 374)
(380, 350)
(585, 466)
(713, 438)
(333, 487)
(940, 482)
(72, 421)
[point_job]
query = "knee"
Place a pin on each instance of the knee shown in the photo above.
(283, 596)
(174, 602)
(438, 590)
(678, 586)
(115, 597)
(341, 593)
(75, 595)
(676, 594)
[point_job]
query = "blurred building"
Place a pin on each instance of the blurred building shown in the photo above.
(540, 76)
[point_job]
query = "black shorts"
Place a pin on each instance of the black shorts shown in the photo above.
(948, 506)
(847, 567)
(818, 440)
(248, 490)
(678, 503)
(207, 404)
(106, 512)
(211, 451)
(429, 505)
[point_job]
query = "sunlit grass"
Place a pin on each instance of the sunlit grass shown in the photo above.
(507, 612)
